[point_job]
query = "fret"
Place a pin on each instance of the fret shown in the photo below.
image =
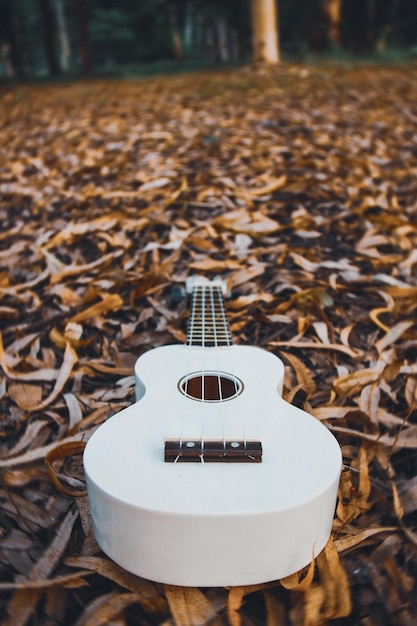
(208, 325)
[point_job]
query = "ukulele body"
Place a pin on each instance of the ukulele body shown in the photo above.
(211, 523)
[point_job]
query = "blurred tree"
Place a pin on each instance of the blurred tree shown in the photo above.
(111, 35)
(265, 31)
(83, 36)
(332, 10)
(62, 35)
(176, 12)
(11, 48)
(323, 24)
(39, 36)
(49, 33)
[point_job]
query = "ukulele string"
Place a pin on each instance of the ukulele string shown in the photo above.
(203, 373)
(205, 299)
(216, 346)
(187, 348)
(233, 374)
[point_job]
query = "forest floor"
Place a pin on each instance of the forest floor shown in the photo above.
(299, 187)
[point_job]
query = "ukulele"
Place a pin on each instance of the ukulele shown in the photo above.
(211, 478)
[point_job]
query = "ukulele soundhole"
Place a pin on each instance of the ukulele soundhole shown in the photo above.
(210, 386)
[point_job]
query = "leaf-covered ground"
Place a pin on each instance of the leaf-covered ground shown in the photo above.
(296, 185)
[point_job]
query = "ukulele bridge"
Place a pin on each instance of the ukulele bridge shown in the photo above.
(213, 450)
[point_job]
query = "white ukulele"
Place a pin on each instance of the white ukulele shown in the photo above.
(211, 478)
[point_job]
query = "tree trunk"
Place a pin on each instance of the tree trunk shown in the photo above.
(5, 60)
(370, 31)
(49, 37)
(265, 31)
(333, 11)
(175, 33)
(189, 34)
(13, 53)
(62, 35)
(395, 22)
(222, 39)
(84, 39)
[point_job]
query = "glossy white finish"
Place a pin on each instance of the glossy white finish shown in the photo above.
(212, 524)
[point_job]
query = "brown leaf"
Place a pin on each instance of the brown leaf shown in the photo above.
(302, 374)
(23, 602)
(45, 374)
(70, 580)
(114, 572)
(20, 478)
(275, 610)
(76, 270)
(70, 358)
(352, 541)
(109, 302)
(330, 598)
(102, 610)
(29, 436)
(272, 186)
(300, 581)
(241, 221)
(313, 345)
(188, 605)
(234, 603)
(393, 334)
(25, 395)
(214, 265)
(59, 453)
(40, 453)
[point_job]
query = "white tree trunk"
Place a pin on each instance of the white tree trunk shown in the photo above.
(189, 28)
(6, 61)
(222, 35)
(63, 35)
(265, 31)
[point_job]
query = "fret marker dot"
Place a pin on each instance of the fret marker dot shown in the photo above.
(190, 444)
(235, 444)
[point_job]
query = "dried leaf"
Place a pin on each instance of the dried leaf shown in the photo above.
(25, 395)
(60, 452)
(188, 605)
(70, 358)
(312, 345)
(114, 572)
(300, 581)
(102, 610)
(234, 603)
(315, 234)
(241, 221)
(70, 580)
(303, 376)
(29, 436)
(393, 334)
(24, 601)
(40, 453)
(109, 302)
(330, 598)
(275, 610)
(352, 541)
(272, 186)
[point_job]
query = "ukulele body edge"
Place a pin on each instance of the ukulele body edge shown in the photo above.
(211, 524)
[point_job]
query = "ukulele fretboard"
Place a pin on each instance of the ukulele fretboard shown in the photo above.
(208, 325)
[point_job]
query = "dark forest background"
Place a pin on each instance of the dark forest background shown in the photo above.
(57, 37)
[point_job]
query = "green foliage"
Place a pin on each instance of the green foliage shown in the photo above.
(108, 25)
(111, 35)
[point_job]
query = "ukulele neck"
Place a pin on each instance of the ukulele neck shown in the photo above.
(208, 326)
